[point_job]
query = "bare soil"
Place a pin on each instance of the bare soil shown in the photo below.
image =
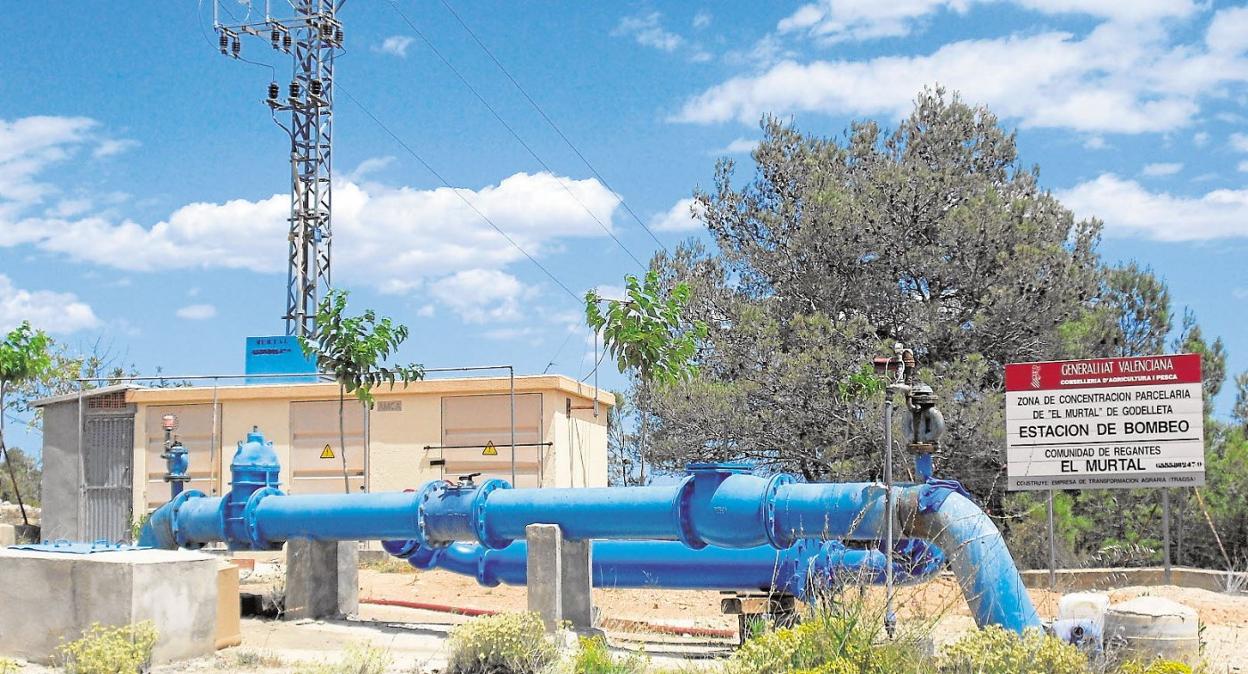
(937, 604)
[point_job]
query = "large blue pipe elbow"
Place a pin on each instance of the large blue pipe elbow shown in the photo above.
(977, 553)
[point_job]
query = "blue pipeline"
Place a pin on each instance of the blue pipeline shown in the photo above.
(714, 506)
(800, 569)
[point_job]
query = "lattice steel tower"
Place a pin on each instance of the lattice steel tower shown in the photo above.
(313, 36)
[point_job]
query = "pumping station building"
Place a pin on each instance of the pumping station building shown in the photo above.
(102, 449)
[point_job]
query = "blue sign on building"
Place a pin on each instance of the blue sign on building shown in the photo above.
(278, 355)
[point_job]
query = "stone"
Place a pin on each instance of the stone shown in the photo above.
(50, 595)
(322, 579)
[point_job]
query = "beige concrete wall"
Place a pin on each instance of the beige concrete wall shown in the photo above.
(397, 440)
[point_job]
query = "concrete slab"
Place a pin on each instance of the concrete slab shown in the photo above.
(49, 596)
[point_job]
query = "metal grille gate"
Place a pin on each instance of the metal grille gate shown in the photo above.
(107, 472)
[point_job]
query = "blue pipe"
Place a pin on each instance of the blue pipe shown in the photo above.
(796, 570)
(721, 506)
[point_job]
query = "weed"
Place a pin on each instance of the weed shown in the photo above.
(592, 656)
(8, 666)
(356, 659)
(246, 659)
(110, 650)
(389, 565)
(998, 650)
(515, 643)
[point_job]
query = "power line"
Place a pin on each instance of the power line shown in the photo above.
(549, 121)
(516, 135)
(456, 192)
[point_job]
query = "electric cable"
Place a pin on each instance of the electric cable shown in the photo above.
(456, 192)
(549, 121)
(493, 111)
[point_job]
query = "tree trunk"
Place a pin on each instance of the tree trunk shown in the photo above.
(641, 451)
(4, 454)
(342, 442)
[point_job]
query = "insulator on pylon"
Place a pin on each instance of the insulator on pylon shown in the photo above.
(294, 90)
(286, 41)
(223, 41)
(274, 90)
(314, 87)
(275, 37)
(237, 47)
(338, 36)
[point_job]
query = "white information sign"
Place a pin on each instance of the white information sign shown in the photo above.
(1105, 423)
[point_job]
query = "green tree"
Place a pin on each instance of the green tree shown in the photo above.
(931, 235)
(649, 338)
(1239, 412)
(23, 356)
(353, 350)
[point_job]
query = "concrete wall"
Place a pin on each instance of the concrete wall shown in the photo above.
(48, 595)
(397, 458)
(61, 484)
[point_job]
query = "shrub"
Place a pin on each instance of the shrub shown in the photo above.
(828, 643)
(995, 650)
(356, 659)
(514, 643)
(110, 650)
(593, 657)
(8, 666)
(247, 659)
(1155, 667)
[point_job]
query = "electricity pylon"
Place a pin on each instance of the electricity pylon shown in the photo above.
(312, 37)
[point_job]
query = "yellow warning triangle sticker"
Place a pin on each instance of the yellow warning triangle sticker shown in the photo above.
(490, 449)
(328, 452)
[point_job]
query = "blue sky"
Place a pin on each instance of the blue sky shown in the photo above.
(143, 185)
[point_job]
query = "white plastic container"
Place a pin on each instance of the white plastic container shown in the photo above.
(1152, 627)
(1081, 620)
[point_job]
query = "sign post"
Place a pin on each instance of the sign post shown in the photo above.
(1105, 423)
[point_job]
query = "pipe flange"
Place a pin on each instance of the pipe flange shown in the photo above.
(254, 538)
(426, 494)
(174, 506)
(685, 531)
(778, 539)
(478, 514)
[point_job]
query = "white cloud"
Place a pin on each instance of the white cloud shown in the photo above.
(1239, 142)
(1129, 209)
(395, 45)
(110, 146)
(701, 20)
(197, 312)
(833, 21)
(1242, 166)
(1200, 139)
(1126, 75)
(1240, 293)
(648, 31)
(1162, 169)
(738, 146)
(370, 165)
(395, 239)
(28, 146)
(482, 295)
(45, 309)
(678, 218)
(1095, 143)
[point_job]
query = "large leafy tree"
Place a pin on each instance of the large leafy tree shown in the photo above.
(932, 235)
